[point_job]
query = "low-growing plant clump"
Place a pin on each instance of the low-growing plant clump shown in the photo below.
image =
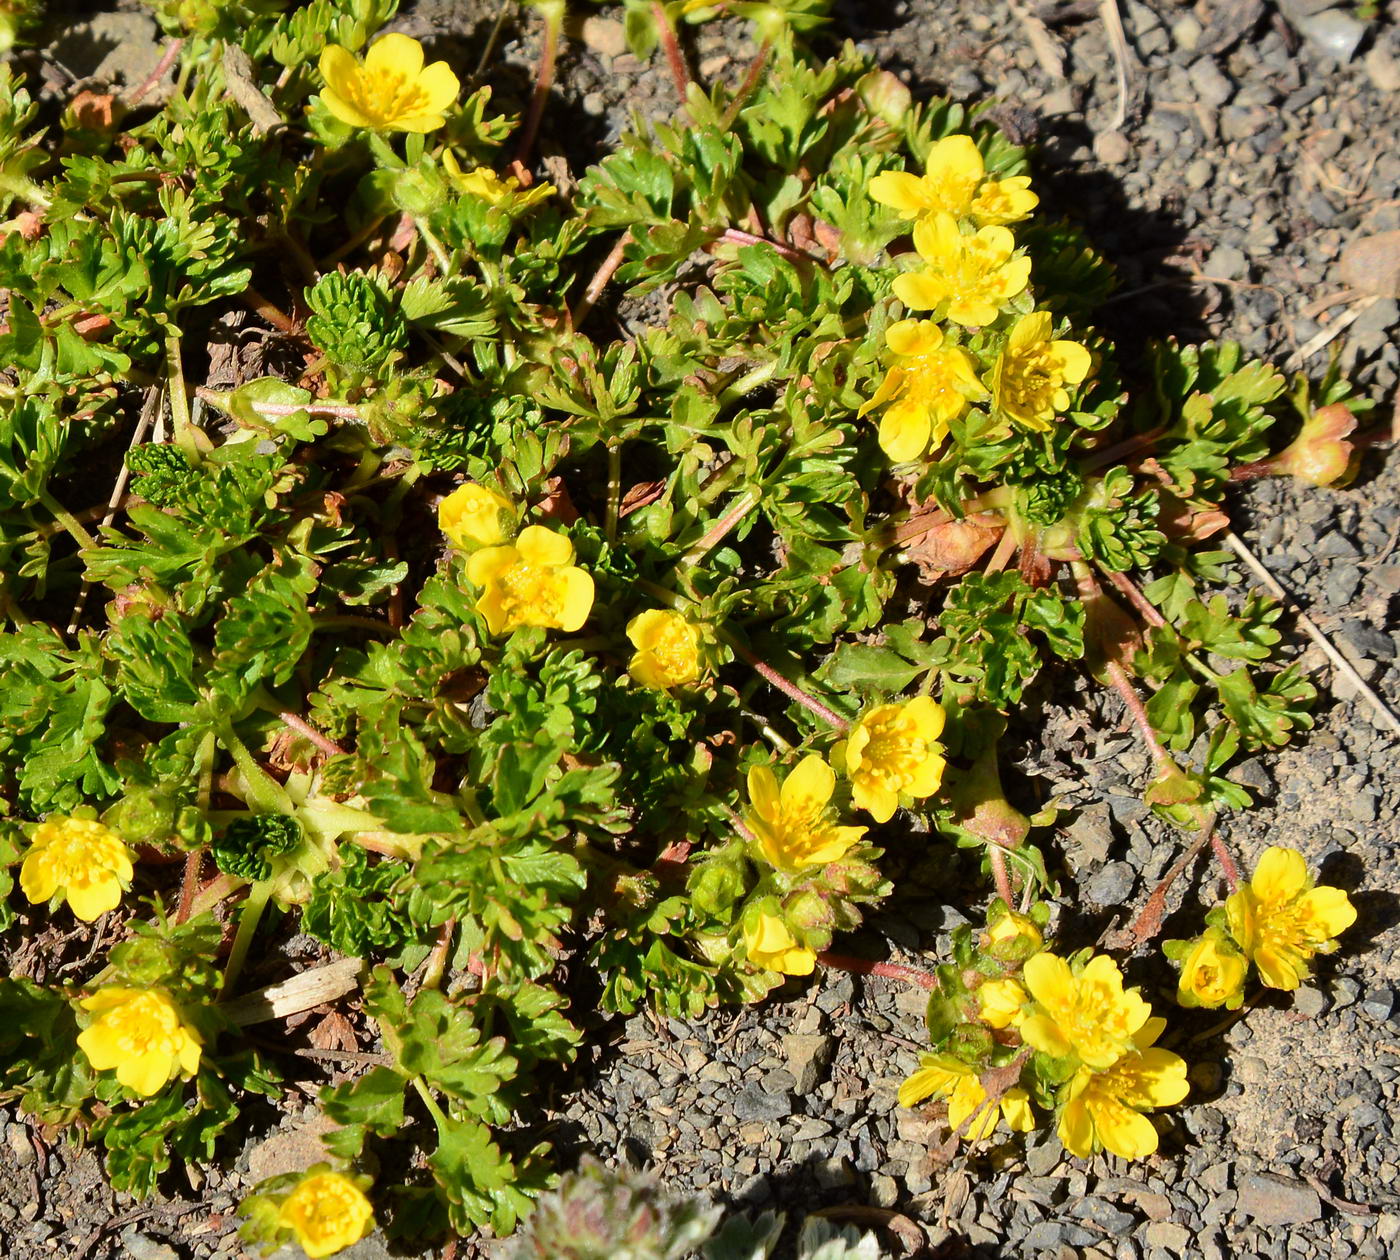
(534, 588)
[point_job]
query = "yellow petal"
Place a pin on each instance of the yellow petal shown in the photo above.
(395, 54)
(809, 786)
(88, 901)
(1157, 1079)
(338, 67)
(491, 606)
(578, 599)
(927, 717)
(1016, 1109)
(831, 845)
(644, 628)
(913, 337)
(439, 85)
(924, 1083)
(1278, 968)
(145, 1074)
(900, 191)
(1075, 361)
(875, 797)
(1123, 1131)
(937, 238)
(100, 1046)
(919, 291)
(541, 546)
(926, 777)
(956, 157)
(1042, 1033)
(189, 1053)
(1280, 876)
(38, 878)
(763, 792)
(1047, 978)
(1076, 1129)
(489, 563)
(1329, 909)
(905, 430)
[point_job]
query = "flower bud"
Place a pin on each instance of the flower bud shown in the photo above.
(885, 96)
(1212, 972)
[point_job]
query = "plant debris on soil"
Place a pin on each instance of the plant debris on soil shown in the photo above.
(1238, 184)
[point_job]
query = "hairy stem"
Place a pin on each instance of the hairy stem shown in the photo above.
(1226, 860)
(553, 15)
(680, 76)
(891, 971)
(791, 689)
(747, 86)
(739, 509)
(1118, 676)
(595, 288)
(249, 916)
(185, 437)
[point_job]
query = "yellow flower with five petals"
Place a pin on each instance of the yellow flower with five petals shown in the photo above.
(1280, 920)
(327, 1212)
(892, 751)
(531, 582)
(391, 90)
(138, 1032)
(966, 279)
(928, 386)
(793, 825)
(940, 1075)
(1103, 1110)
(955, 182)
(771, 945)
(668, 649)
(1212, 972)
(1032, 371)
(88, 863)
(474, 514)
(1082, 1011)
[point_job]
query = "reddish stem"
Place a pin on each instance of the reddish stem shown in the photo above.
(891, 971)
(792, 690)
(1146, 609)
(1000, 874)
(543, 81)
(305, 729)
(1118, 676)
(194, 866)
(1227, 862)
(600, 281)
(680, 76)
(746, 87)
(171, 52)
(741, 237)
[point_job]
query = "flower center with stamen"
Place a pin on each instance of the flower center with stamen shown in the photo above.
(531, 595)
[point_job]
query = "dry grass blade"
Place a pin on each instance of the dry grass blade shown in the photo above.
(1122, 58)
(1314, 632)
(301, 993)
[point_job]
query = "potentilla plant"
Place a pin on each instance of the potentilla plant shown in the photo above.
(603, 573)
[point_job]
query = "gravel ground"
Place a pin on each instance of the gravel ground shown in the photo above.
(1257, 146)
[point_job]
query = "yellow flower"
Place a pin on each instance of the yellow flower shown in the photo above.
(532, 582)
(85, 861)
(927, 386)
(327, 1212)
(668, 649)
(139, 1032)
(792, 826)
(1012, 937)
(483, 183)
(474, 514)
(968, 279)
(392, 90)
(772, 946)
(1029, 379)
(894, 749)
(950, 185)
(1280, 920)
(1088, 1013)
(1104, 1109)
(942, 1076)
(1213, 973)
(1000, 1001)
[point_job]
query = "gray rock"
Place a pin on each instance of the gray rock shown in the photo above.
(1113, 1219)
(1168, 1236)
(1309, 1001)
(1383, 65)
(1273, 1200)
(1333, 32)
(1378, 1003)
(1211, 84)
(138, 1246)
(753, 1102)
(1111, 886)
(1226, 262)
(807, 1056)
